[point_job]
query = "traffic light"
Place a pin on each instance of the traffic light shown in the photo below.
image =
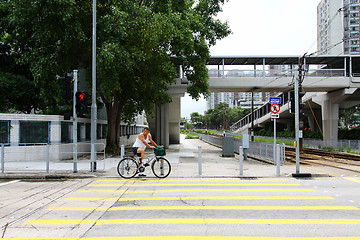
(292, 101)
(81, 102)
(66, 88)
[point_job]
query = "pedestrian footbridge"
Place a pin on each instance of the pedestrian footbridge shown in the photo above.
(331, 82)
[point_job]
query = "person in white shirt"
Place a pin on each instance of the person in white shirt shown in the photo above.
(142, 141)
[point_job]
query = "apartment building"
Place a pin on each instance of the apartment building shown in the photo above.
(338, 27)
(242, 99)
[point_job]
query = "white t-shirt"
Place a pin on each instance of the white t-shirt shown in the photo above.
(138, 143)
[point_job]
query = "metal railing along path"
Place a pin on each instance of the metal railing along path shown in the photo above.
(44, 164)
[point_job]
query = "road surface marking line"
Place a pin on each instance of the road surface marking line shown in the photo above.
(194, 184)
(219, 190)
(357, 180)
(195, 221)
(244, 208)
(199, 180)
(203, 198)
(226, 221)
(7, 183)
(226, 198)
(192, 238)
(234, 208)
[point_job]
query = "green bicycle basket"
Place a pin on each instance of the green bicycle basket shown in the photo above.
(159, 151)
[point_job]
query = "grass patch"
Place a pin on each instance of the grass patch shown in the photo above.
(191, 136)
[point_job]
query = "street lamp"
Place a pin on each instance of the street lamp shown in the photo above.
(93, 104)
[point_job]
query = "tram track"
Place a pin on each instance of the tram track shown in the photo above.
(344, 161)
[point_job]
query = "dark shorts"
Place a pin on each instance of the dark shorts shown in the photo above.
(135, 151)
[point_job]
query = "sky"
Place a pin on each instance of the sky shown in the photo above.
(263, 27)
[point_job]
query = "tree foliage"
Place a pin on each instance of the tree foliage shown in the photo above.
(136, 40)
(214, 118)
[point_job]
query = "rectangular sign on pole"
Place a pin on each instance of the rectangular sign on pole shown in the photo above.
(276, 100)
(273, 115)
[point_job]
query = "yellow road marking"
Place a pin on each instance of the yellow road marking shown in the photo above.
(204, 198)
(353, 179)
(194, 184)
(226, 198)
(194, 221)
(199, 180)
(226, 221)
(296, 208)
(218, 190)
(192, 238)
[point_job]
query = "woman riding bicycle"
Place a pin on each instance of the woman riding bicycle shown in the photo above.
(142, 141)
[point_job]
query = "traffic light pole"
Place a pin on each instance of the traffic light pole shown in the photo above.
(75, 75)
(297, 137)
(93, 104)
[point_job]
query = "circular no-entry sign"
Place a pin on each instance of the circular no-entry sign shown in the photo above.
(275, 108)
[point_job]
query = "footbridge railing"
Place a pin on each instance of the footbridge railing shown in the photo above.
(258, 113)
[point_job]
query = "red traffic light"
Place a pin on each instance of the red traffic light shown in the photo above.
(81, 102)
(81, 97)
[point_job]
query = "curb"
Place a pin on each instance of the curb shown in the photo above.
(45, 176)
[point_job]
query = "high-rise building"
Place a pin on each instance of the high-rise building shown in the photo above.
(338, 27)
(241, 99)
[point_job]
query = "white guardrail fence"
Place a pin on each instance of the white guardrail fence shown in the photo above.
(260, 150)
(47, 158)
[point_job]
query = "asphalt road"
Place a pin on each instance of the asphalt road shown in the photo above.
(181, 209)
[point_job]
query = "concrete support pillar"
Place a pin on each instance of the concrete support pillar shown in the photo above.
(330, 118)
(165, 123)
(159, 126)
(330, 110)
(174, 120)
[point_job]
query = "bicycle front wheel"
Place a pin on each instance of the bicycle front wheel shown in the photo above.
(127, 167)
(161, 167)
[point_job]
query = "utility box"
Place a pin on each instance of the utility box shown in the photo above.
(228, 146)
(245, 141)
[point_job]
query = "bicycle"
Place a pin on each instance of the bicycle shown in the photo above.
(128, 167)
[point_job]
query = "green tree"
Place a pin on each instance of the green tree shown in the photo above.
(350, 116)
(215, 117)
(18, 92)
(135, 42)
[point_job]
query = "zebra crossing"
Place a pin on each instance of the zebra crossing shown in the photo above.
(202, 209)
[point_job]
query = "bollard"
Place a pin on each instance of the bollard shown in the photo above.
(199, 161)
(2, 158)
(278, 159)
(122, 151)
(241, 160)
(122, 156)
(47, 158)
(162, 168)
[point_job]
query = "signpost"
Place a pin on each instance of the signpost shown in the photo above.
(275, 109)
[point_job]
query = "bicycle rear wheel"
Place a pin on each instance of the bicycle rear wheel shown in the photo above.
(127, 167)
(161, 167)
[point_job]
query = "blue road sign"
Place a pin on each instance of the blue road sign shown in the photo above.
(276, 100)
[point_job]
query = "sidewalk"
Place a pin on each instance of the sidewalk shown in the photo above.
(184, 162)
